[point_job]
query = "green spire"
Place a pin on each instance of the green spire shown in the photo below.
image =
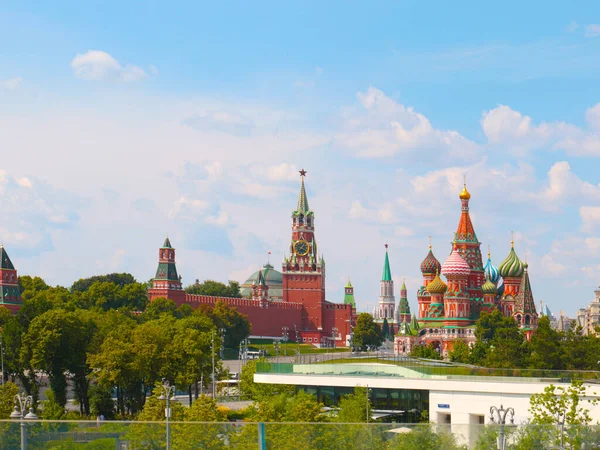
(5, 262)
(167, 243)
(349, 294)
(387, 273)
(348, 285)
(302, 199)
(415, 323)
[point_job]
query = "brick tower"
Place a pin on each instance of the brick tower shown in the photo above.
(167, 283)
(303, 277)
(10, 291)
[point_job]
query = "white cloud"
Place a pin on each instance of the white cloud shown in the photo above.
(553, 267)
(505, 126)
(572, 26)
(564, 185)
(592, 30)
(222, 218)
(188, 208)
(383, 214)
(590, 218)
(11, 84)
(383, 127)
(97, 65)
(278, 172)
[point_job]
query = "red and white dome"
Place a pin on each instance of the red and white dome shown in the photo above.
(455, 266)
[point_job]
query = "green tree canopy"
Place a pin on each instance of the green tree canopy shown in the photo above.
(215, 289)
(120, 279)
(367, 333)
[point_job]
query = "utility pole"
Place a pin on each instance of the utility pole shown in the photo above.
(168, 395)
(285, 339)
(222, 343)
(213, 364)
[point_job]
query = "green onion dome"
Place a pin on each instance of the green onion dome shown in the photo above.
(512, 265)
(489, 287)
(437, 286)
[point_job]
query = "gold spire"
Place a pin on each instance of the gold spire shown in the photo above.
(430, 243)
(489, 252)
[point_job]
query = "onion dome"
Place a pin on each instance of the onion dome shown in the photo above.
(512, 265)
(455, 265)
(430, 264)
(491, 271)
(501, 289)
(437, 286)
(489, 287)
(464, 194)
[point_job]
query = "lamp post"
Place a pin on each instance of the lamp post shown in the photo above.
(560, 420)
(501, 414)
(334, 331)
(284, 334)
(368, 392)
(168, 392)
(276, 348)
(22, 402)
(298, 338)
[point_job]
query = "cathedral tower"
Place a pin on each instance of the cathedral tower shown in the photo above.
(387, 301)
(467, 245)
(10, 291)
(512, 270)
(303, 277)
(403, 306)
(525, 313)
(429, 268)
(457, 302)
(166, 282)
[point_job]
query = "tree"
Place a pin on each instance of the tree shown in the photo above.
(56, 343)
(120, 279)
(425, 437)
(159, 306)
(367, 333)
(258, 391)
(461, 352)
(236, 325)
(7, 399)
(353, 407)
(385, 329)
(215, 289)
(499, 343)
(425, 351)
(546, 347)
(566, 404)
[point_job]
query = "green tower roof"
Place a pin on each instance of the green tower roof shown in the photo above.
(348, 285)
(349, 296)
(302, 199)
(5, 262)
(167, 243)
(387, 273)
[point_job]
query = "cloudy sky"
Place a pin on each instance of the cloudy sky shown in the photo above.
(121, 122)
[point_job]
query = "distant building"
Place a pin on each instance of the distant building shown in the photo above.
(10, 291)
(589, 318)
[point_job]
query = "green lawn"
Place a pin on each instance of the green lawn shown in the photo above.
(305, 349)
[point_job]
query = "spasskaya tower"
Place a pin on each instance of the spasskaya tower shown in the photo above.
(303, 271)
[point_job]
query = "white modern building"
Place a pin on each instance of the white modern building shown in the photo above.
(400, 392)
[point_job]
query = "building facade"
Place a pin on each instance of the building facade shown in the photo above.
(301, 305)
(589, 318)
(448, 310)
(10, 291)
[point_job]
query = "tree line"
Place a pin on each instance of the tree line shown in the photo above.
(103, 338)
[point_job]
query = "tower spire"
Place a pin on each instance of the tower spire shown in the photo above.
(387, 273)
(302, 199)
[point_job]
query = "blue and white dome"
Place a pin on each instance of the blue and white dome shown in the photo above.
(491, 271)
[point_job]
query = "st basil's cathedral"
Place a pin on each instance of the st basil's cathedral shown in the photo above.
(447, 311)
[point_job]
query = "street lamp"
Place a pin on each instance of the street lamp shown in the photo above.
(297, 337)
(368, 392)
(168, 395)
(561, 423)
(22, 402)
(284, 334)
(501, 414)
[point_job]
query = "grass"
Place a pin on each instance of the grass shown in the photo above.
(305, 349)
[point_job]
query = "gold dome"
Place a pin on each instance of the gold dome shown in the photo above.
(464, 194)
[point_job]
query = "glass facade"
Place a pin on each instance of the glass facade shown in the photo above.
(400, 405)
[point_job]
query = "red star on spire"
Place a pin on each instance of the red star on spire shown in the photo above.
(386, 246)
(302, 172)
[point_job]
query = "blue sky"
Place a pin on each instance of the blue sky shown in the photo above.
(120, 123)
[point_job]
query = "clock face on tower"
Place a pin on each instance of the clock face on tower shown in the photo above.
(301, 247)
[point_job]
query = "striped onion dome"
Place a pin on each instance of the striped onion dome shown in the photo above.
(489, 287)
(430, 264)
(511, 266)
(491, 271)
(436, 286)
(455, 265)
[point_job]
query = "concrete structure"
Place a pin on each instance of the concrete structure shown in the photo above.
(589, 318)
(293, 298)
(455, 400)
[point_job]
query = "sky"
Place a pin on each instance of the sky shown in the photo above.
(124, 122)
